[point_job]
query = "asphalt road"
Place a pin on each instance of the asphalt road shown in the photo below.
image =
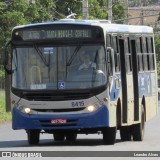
(11, 140)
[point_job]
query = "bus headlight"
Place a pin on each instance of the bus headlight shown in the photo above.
(27, 110)
(91, 108)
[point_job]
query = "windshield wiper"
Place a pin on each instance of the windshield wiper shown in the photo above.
(41, 55)
(73, 55)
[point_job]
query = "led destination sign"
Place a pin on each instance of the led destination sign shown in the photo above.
(56, 34)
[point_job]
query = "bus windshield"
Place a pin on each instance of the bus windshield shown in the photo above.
(58, 67)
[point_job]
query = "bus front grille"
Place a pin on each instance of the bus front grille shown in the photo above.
(59, 110)
(56, 97)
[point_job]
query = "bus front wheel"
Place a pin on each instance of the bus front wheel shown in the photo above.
(33, 136)
(109, 135)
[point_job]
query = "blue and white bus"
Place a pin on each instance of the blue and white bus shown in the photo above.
(51, 93)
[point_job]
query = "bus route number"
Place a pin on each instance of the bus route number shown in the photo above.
(78, 104)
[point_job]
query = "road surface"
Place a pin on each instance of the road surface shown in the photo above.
(11, 140)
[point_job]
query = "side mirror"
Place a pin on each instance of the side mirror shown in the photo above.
(6, 58)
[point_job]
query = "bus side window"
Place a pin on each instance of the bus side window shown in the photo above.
(145, 53)
(139, 53)
(150, 52)
(148, 60)
(152, 56)
(128, 55)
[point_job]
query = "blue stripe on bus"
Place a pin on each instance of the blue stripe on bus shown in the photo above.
(146, 85)
(99, 118)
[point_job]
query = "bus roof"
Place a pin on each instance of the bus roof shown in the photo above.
(105, 24)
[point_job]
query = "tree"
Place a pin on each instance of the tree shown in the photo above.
(157, 47)
(158, 17)
(118, 11)
(40, 11)
(98, 9)
(157, 50)
(18, 12)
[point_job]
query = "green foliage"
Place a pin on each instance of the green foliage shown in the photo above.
(158, 70)
(2, 74)
(10, 16)
(2, 6)
(3, 115)
(158, 17)
(19, 12)
(98, 9)
(40, 11)
(157, 50)
(157, 47)
(118, 12)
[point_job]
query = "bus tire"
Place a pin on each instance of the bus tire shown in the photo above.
(33, 136)
(125, 133)
(138, 129)
(109, 135)
(59, 136)
(71, 137)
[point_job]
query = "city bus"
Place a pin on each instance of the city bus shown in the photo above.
(54, 90)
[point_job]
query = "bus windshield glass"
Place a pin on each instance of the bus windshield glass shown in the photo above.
(59, 67)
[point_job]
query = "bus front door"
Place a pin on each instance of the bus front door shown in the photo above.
(126, 82)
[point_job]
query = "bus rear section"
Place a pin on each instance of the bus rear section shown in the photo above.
(135, 76)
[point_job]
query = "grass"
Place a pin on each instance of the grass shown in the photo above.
(4, 116)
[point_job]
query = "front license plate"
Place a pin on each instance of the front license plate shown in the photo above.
(59, 121)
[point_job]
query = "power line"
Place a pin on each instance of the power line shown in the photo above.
(143, 9)
(123, 19)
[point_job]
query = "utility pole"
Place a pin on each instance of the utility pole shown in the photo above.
(7, 92)
(85, 9)
(110, 10)
(32, 1)
(142, 18)
(126, 11)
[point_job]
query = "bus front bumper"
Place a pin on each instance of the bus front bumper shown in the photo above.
(97, 119)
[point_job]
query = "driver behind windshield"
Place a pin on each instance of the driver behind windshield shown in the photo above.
(87, 63)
